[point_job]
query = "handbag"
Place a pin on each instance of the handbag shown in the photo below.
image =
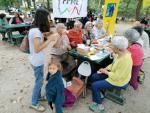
(68, 63)
(69, 98)
(24, 47)
(77, 87)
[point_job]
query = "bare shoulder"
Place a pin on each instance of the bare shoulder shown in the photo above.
(52, 36)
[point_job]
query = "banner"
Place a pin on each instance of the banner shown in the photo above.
(69, 8)
(109, 15)
(146, 3)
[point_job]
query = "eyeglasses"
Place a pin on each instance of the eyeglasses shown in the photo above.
(90, 26)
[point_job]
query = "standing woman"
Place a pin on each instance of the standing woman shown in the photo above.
(36, 57)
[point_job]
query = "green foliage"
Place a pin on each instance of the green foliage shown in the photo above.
(93, 5)
(127, 12)
(6, 3)
(130, 12)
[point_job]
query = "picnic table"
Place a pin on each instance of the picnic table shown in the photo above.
(15, 27)
(95, 64)
(98, 60)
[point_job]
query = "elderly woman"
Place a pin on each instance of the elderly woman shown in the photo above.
(75, 34)
(88, 35)
(137, 55)
(98, 30)
(116, 75)
(61, 44)
(27, 19)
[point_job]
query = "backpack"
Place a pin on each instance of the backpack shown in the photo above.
(69, 98)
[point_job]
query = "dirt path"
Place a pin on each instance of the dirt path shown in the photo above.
(16, 82)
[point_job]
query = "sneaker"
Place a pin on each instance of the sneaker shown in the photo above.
(102, 96)
(101, 107)
(38, 108)
(98, 108)
(93, 106)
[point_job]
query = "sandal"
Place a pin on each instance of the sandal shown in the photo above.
(38, 108)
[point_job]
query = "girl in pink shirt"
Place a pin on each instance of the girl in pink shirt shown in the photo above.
(136, 53)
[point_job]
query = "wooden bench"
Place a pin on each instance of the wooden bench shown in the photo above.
(115, 95)
(17, 38)
(3, 32)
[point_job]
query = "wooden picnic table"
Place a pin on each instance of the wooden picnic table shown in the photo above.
(95, 64)
(14, 26)
(10, 28)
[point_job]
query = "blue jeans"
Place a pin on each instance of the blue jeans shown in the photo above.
(99, 83)
(38, 73)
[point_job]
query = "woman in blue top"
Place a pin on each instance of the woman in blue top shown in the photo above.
(36, 56)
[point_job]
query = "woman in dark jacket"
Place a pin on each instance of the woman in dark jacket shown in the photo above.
(16, 20)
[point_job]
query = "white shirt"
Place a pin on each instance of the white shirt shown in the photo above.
(36, 59)
(98, 32)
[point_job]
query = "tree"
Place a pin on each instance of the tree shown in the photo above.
(138, 8)
(6, 3)
(48, 5)
(126, 8)
(34, 4)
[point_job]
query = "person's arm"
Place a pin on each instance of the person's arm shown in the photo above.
(5, 20)
(66, 43)
(104, 34)
(61, 40)
(47, 77)
(58, 43)
(10, 21)
(38, 46)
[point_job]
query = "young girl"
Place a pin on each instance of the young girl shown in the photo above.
(54, 86)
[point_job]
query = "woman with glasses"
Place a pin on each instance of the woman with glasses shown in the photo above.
(61, 44)
(88, 36)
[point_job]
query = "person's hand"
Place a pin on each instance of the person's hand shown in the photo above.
(69, 48)
(103, 70)
(109, 49)
(45, 82)
(73, 44)
(63, 33)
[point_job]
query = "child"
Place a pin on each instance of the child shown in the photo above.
(54, 86)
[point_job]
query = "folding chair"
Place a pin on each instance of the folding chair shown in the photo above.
(84, 70)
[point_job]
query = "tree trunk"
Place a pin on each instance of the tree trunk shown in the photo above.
(126, 9)
(48, 5)
(34, 4)
(29, 3)
(138, 8)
